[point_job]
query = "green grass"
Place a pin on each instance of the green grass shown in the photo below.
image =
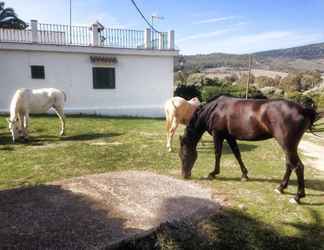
(255, 217)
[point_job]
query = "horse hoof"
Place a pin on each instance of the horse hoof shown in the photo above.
(293, 201)
(244, 178)
(278, 191)
(25, 139)
(169, 150)
(210, 177)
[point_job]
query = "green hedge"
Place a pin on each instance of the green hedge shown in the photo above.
(302, 99)
(208, 92)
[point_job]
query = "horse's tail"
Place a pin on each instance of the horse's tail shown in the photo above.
(169, 113)
(175, 108)
(65, 98)
(313, 116)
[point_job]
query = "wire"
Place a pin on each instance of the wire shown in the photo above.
(141, 13)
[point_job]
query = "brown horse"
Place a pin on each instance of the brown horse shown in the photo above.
(239, 119)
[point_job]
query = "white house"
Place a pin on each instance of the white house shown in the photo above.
(101, 70)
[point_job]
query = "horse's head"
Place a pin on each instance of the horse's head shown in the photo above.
(14, 129)
(194, 101)
(188, 156)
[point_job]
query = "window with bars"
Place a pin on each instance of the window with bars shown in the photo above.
(103, 78)
(37, 71)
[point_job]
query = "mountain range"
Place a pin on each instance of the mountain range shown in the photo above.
(302, 58)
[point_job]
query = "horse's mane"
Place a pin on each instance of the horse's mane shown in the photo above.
(217, 96)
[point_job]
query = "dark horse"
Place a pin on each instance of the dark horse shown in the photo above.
(239, 119)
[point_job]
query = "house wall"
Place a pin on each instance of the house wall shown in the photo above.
(143, 82)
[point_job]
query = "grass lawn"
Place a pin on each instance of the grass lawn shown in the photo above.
(256, 216)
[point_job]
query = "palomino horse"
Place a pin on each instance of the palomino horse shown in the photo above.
(32, 101)
(178, 111)
(239, 119)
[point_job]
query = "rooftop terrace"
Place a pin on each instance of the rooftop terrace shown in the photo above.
(89, 36)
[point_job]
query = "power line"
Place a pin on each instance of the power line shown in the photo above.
(141, 13)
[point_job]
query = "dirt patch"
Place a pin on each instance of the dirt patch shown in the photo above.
(315, 154)
(98, 211)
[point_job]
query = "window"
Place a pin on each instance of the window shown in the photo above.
(103, 78)
(37, 72)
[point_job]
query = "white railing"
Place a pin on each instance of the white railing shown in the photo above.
(89, 36)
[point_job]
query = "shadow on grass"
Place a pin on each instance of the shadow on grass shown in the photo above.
(90, 136)
(317, 185)
(45, 139)
(229, 229)
(7, 148)
(208, 147)
(49, 217)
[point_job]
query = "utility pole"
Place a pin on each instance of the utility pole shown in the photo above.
(70, 21)
(249, 78)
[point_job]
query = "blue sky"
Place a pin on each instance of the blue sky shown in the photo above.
(205, 26)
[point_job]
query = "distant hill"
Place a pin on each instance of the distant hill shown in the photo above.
(308, 57)
(310, 52)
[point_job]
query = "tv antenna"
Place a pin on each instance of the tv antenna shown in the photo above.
(157, 17)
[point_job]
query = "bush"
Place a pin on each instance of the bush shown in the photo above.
(187, 91)
(319, 100)
(209, 92)
(291, 83)
(264, 81)
(244, 78)
(298, 97)
(272, 92)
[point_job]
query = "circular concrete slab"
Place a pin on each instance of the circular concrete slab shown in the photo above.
(98, 210)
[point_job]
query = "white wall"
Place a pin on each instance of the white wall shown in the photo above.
(143, 82)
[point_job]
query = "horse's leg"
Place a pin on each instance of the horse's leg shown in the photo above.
(60, 113)
(284, 183)
(26, 124)
(218, 144)
(172, 130)
(293, 162)
(168, 126)
(21, 125)
(289, 167)
(301, 181)
(236, 151)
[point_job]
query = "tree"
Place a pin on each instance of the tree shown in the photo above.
(292, 82)
(231, 79)
(9, 19)
(264, 81)
(181, 77)
(310, 79)
(244, 78)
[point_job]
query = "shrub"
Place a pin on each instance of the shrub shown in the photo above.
(319, 100)
(187, 91)
(291, 83)
(264, 81)
(272, 92)
(209, 92)
(298, 97)
(244, 78)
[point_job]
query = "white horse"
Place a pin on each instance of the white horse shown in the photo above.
(178, 111)
(34, 101)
